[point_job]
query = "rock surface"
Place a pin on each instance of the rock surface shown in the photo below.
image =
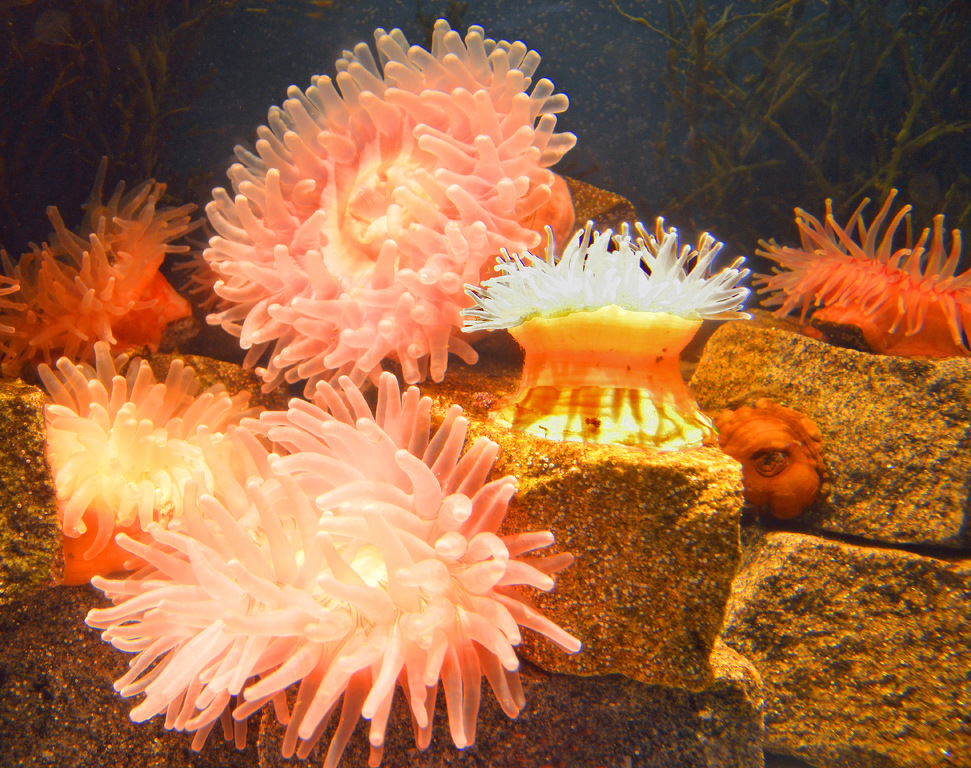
(30, 532)
(655, 536)
(896, 431)
(607, 209)
(864, 652)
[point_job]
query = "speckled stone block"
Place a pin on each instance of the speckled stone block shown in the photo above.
(235, 379)
(896, 431)
(864, 652)
(607, 209)
(655, 536)
(30, 533)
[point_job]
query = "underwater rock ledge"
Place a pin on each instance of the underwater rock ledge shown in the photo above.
(863, 652)
(862, 649)
(655, 536)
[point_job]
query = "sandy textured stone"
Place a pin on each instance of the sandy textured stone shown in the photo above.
(607, 209)
(583, 722)
(30, 533)
(897, 431)
(57, 705)
(655, 536)
(864, 653)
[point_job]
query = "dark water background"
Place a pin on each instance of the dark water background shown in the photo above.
(588, 50)
(719, 127)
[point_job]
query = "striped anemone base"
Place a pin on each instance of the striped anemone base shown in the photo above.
(606, 376)
(599, 415)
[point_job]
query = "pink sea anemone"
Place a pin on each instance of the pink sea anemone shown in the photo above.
(101, 284)
(906, 301)
(122, 449)
(358, 557)
(362, 215)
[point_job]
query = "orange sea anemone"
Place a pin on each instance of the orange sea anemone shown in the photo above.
(354, 227)
(122, 448)
(906, 301)
(602, 328)
(781, 454)
(360, 557)
(101, 284)
(8, 286)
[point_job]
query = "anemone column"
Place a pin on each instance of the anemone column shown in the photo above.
(608, 375)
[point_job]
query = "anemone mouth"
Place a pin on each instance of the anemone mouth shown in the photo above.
(770, 462)
(371, 217)
(366, 213)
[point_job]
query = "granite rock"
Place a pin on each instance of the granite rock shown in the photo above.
(30, 532)
(229, 375)
(896, 431)
(863, 651)
(608, 209)
(655, 537)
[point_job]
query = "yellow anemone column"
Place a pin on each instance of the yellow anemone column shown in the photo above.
(609, 375)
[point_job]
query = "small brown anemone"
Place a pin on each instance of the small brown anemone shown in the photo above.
(781, 453)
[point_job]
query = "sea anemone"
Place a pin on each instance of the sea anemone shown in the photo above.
(907, 301)
(8, 285)
(781, 453)
(363, 558)
(602, 329)
(101, 284)
(122, 449)
(363, 213)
